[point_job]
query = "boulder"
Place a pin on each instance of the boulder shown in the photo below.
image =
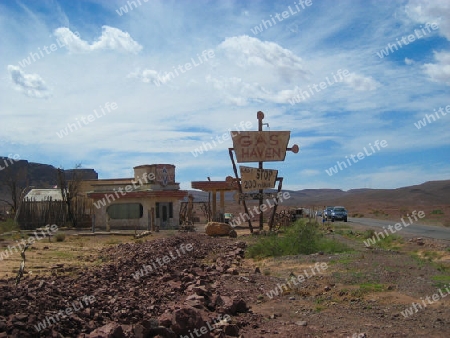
(186, 318)
(231, 305)
(218, 229)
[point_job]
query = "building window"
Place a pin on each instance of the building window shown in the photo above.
(125, 211)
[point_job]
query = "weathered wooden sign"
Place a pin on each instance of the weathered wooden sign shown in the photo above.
(257, 179)
(260, 146)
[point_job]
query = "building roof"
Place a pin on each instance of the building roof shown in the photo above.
(229, 184)
(40, 195)
(180, 194)
(154, 165)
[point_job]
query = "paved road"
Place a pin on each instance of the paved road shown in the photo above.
(414, 228)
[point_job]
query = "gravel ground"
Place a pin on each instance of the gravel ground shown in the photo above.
(191, 282)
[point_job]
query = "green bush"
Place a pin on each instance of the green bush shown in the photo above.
(329, 246)
(302, 238)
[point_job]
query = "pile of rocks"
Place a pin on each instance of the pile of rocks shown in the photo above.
(176, 296)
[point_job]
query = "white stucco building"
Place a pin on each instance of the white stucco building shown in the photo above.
(146, 201)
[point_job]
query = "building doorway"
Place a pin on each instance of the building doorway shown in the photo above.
(164, 214)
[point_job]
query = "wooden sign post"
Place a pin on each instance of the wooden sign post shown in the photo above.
(259, 146)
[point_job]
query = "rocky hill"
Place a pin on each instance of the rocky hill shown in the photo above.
(428, 193)
(35, 174)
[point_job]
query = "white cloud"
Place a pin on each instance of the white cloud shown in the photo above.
(249, 51)
(409, 61)
(239, 92)
(146, 75)
(111, 38)
(440, 71)
(359, 82)
(165, 124)
(31, 85)
(436, 11)
(71, 40)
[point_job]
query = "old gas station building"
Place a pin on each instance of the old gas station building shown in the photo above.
(145, 201)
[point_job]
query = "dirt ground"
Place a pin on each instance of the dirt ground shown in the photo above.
(361, 293)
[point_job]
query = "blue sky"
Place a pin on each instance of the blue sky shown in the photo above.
(61, 60)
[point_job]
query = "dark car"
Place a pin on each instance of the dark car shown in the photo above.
(327, 212)
(339, 214)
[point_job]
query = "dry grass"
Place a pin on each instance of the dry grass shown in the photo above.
(43, 257)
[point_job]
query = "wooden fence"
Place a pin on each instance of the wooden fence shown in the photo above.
(35, 214)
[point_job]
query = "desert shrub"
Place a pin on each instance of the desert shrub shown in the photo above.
(389, 242)
(431, 255)
(366, 288)
(329, 246)
(60, 237)
(266, 247)
(369, 233)
(302, 238)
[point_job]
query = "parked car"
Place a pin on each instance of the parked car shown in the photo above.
(327, 212)
(339, 214)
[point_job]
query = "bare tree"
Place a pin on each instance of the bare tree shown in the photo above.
(70, 189)
(14, 179)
